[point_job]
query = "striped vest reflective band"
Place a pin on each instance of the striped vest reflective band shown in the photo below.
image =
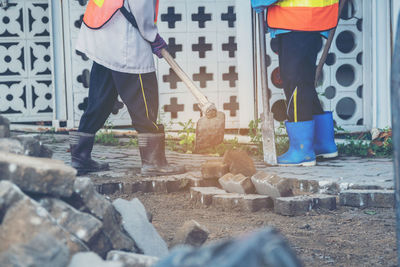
(99, 12)
(304, 15)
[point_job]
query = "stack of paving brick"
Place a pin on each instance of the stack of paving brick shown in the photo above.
(241, 188)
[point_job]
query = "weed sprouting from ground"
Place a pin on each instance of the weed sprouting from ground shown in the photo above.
(107, 137)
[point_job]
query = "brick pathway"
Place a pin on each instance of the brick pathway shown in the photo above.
(347, 172)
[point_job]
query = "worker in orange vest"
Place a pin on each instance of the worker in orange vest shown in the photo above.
(121, 36)
(298, 26)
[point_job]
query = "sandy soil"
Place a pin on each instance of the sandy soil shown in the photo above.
(345, 237)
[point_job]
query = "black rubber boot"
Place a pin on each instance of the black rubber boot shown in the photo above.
(152, 153)
(81, 145)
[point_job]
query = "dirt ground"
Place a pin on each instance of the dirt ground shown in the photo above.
(345, 237)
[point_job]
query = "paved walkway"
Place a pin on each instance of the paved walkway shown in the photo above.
(347, 172)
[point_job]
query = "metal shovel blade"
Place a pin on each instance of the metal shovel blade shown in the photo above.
(210, 131)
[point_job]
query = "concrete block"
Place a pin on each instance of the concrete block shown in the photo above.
(272, 185)
(9, 145)
(136, 224)
(204, 195)
(322, 201)
(300, 186)
(43, 250)
(242, 202)
(9, 195)
(4, 127)
(236, 183)
(132, 259)
(367, 198)
(191, 233)
(214, 169)
(37, 175)
(239, 162)
(293, 206)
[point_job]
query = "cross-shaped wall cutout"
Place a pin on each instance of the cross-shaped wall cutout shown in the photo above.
(202, 47)
(173, 47)
(230, 16)
(171, 17)
(174, 107)
(172, 78)
(232, 106)
(203, 77)
(201, 17)
(232, 76)
(231, 46)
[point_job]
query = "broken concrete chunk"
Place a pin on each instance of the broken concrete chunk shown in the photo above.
(33, 146)
(92, 259)
(367, 198)
(239, 162)
(43, 250)
(9, 195)
(236, 183)
(4, 127)
(131, 259)
(293, 206)
(26, 219)
(191, 233)
(37, 175)
(9, 145)
(214, 169)
(271, 185)
(82, 225)
(136, 224)
(87, 199)
(203, 195)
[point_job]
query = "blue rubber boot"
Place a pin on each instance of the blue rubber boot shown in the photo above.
(324, 136)
(301, 152)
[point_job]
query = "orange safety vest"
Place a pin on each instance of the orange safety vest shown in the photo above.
(99, 12)
(303, 15)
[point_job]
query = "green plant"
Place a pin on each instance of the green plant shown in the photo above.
(107, 137)
(187, 136)
(133, 142)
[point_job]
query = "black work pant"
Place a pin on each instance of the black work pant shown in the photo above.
(297, 62)
(139, 92)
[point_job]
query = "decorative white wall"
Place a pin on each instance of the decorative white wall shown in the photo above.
(42, 77)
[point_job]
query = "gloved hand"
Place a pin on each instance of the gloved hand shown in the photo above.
(157, 45)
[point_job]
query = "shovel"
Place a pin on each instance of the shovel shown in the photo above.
(210, 127)
(267, 124)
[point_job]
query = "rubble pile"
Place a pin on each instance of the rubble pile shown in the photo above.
(50, 217)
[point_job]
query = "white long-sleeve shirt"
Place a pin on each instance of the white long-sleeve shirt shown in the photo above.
(118, 45)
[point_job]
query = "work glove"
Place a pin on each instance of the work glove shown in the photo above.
(157, 45)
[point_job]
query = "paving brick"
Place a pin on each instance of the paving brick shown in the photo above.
(367, 198)
(236, 184)
(300, 186)
(37, 175)
(191, 233)
(239, 162)
(214, 169)
(293, 206)
(271, 185)
(241, 202)
(322, 201)
(204, 195)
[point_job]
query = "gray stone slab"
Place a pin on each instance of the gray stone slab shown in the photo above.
(136, 224)
(92, 259)
(9, 195)
(293, 206)
(132, 259)
(236, 183)
(10, 145)
(37, 175)
(272, 185)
